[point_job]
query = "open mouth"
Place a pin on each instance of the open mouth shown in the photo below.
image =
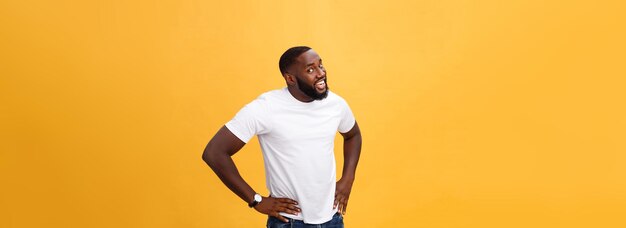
(321, 85)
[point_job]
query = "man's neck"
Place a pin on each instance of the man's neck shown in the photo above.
(299, 95)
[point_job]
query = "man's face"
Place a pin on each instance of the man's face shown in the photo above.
(310, 75)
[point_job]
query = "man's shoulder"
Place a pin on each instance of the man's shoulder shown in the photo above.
(270, 96)
(266, 98)
(272, 93)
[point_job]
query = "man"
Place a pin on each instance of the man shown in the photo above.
(296, 127)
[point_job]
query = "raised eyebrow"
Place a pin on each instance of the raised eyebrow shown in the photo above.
(310, 64)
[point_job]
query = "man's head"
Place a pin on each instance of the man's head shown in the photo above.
(303, 70)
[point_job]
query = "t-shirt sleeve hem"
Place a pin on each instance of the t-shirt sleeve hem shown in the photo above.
(237, 133)
(350, 128)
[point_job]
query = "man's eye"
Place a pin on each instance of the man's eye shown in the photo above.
(321, 66)
(310, 70)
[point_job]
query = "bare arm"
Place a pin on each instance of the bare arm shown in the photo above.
(351, 152)
(217, 155)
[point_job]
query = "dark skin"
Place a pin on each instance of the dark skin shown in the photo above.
(309, 69)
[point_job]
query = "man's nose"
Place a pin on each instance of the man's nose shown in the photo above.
(320, 73)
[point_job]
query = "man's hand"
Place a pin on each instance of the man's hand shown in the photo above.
(272, 206)
(342, 194)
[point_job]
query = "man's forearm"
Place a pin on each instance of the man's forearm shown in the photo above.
(224, 167)
(217, 155)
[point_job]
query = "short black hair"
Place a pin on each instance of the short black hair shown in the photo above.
(289, 57)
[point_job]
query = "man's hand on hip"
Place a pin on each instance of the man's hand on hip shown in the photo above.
(342, 194)
(272, 206)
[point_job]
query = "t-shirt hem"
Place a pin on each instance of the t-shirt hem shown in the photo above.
(320, 221)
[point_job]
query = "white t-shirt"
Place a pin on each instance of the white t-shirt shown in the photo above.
(297, 140)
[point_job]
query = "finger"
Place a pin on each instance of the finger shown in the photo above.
(338, 200)
(287, 200)
(345, 207)
(293, 207)
(289, 203)
(281, 217)
(287, 210)
(341, 205)
(289, 206)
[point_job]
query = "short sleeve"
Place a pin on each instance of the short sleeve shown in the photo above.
(249, 121)
(347, 118)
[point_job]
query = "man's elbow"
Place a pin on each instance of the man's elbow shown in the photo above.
(208, 156)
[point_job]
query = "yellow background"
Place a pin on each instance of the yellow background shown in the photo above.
(473, 113)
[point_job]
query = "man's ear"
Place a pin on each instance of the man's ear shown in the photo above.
(289, 78)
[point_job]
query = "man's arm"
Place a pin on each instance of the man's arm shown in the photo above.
(351, 153)
(217, 155)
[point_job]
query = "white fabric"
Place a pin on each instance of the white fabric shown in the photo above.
(297, 140)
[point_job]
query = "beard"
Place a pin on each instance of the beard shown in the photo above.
(310, 90)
